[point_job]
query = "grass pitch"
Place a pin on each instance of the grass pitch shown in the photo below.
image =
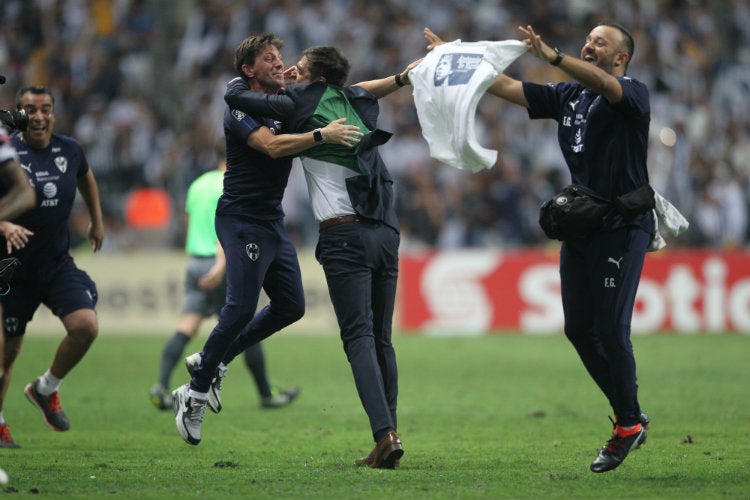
(502, 416)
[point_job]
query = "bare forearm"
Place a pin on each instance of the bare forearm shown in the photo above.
(509, 89)
(289, 144)
(382, 86)
(592, 77)
(279, 146)
(587, 74)
(90, 194)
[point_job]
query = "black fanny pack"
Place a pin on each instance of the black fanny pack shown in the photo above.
(577, 211)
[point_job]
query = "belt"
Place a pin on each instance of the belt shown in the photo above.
(344, 219)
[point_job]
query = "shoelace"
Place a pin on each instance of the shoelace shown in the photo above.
(54, 402)
(221, 372)
(5, 433)
(197, 410)
(614, 442)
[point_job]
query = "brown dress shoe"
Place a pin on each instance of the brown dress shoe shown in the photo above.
(386, 454)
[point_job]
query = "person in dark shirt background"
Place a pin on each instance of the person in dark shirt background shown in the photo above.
(58, 169)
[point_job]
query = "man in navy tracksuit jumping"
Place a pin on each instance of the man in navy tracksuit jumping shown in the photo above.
(250, 226)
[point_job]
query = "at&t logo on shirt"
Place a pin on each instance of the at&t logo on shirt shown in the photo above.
(50, 191)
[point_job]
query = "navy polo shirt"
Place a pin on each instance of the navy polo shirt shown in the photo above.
(54, 172)
(604, 144)
(254, 183)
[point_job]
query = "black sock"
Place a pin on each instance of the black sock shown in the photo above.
(256, 363)
(170, 356)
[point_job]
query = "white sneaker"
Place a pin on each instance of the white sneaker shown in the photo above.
(192, 362)
(188, 413)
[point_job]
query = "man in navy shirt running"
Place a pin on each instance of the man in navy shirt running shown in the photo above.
(250, 225)
(57, 168)
(603, 120)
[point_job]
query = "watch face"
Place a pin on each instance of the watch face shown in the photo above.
(317, 135)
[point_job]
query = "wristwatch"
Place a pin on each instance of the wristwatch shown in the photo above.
(557, 60)
(317, 136)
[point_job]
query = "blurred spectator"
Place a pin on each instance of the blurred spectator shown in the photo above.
(141, 84)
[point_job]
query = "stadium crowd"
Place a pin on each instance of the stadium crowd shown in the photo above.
(140, 84)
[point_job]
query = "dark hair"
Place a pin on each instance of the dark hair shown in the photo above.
(249, 48)
(34, 89)
(627, 39)
(328, 62)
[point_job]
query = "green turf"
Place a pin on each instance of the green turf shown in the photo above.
(492, 417)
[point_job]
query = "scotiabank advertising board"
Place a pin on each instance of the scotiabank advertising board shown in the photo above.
(477, 292)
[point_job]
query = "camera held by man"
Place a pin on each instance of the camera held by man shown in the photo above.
(14, 119)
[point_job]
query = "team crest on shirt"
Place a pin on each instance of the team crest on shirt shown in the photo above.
(238, 115)
(253, 251)
(61, 163)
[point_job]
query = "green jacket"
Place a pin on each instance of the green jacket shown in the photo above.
(306, 106)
